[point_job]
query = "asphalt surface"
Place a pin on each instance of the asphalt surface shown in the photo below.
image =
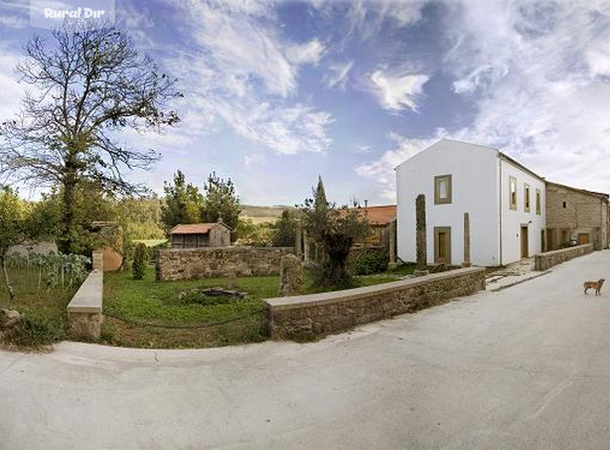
(526, 367)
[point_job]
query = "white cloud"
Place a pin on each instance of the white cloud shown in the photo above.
(381, 170)
(398, 92)
(538, 74)
(337, 74)
(254, 160)
(239, 72)
(308, 53)
(11, 92)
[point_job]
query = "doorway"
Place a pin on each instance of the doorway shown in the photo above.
(583, 238)
(442, 245)
(524, 242)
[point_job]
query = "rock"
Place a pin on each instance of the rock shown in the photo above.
(232, 284)
(292, 277)
(9, 319)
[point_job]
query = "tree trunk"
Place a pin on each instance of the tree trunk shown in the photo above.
(7, 281)
(66, 239)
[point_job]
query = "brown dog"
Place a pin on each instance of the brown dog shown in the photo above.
(597, 285)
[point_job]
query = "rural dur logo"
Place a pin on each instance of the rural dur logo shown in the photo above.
(50, 14)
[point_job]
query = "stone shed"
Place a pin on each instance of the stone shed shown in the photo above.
(576, 216)
(199, 235)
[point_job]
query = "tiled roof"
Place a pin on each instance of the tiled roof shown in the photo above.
(379, 215)
(193, 228)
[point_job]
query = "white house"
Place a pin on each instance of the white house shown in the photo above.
(504, 199)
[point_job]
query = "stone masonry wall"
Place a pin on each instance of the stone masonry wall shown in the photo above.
(543, 261)
(321, 314)
(583, 213)
(210, 262)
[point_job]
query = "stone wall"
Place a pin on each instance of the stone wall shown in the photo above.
(321, 314)
(189, 264)
(85, 309)
(543, 261)
(583, 213)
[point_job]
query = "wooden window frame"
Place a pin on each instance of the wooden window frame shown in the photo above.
(438, 230)
(437, 191)
(538, 202)
(512, 181)
(526, 197)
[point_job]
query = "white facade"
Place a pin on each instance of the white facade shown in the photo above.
(480, 185)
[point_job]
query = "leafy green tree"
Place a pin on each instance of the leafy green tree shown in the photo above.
(140, 257)
(88, 85)
(220, 200)
(334, 229)
(13, 229)
(183, 203)
(284, 233)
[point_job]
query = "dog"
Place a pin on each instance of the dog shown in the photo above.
(597, 285)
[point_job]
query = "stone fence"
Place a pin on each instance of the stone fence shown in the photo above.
(85, 309)
(321, 314)
(543, 261)
(213, 262)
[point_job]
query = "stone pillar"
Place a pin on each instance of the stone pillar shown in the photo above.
(392, 245)
(466, 262)
(306, 249)
(420, 233)
(292, 277)
(298, 239)
(98, 260)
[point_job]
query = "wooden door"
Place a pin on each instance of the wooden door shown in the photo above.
(524, 242)
(442, 245)
(583, 238)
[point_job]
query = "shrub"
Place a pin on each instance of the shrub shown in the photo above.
(140, 260)
(36, 331)
(371, 261)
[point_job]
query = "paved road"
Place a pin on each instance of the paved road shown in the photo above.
(527, 367)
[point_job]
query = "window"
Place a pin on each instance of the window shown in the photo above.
(512, 191)
(442, 190)
(565, 205)
(538, 202)
(526, 193)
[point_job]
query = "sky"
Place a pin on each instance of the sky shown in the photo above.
(277, 93)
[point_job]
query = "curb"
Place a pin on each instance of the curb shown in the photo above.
(520, 281)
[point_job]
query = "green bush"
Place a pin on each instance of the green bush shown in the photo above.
(36, 331)
(140, 261)
(371, 261)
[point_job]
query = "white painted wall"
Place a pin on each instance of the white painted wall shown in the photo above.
(512, 220)
(474, 171)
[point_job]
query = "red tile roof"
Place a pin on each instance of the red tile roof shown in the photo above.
(379, 215)
(194, 228)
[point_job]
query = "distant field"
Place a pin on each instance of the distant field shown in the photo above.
(150, 242)
(264, 212)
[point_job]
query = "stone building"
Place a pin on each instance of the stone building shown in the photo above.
(110, 242)
(199, 235)
(576, 216)
(380, 219)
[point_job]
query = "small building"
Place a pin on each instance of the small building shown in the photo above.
(505, 202)
(199, 235)
(576, 216)
(380, 218)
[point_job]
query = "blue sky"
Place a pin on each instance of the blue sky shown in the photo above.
(277, 92)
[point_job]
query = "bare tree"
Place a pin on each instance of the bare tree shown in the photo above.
(86, 87)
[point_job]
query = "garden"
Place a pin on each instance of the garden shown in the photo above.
(42, 287)
(182, 314)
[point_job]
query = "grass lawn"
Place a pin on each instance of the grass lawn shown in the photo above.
(148, 313)
(45, 310)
